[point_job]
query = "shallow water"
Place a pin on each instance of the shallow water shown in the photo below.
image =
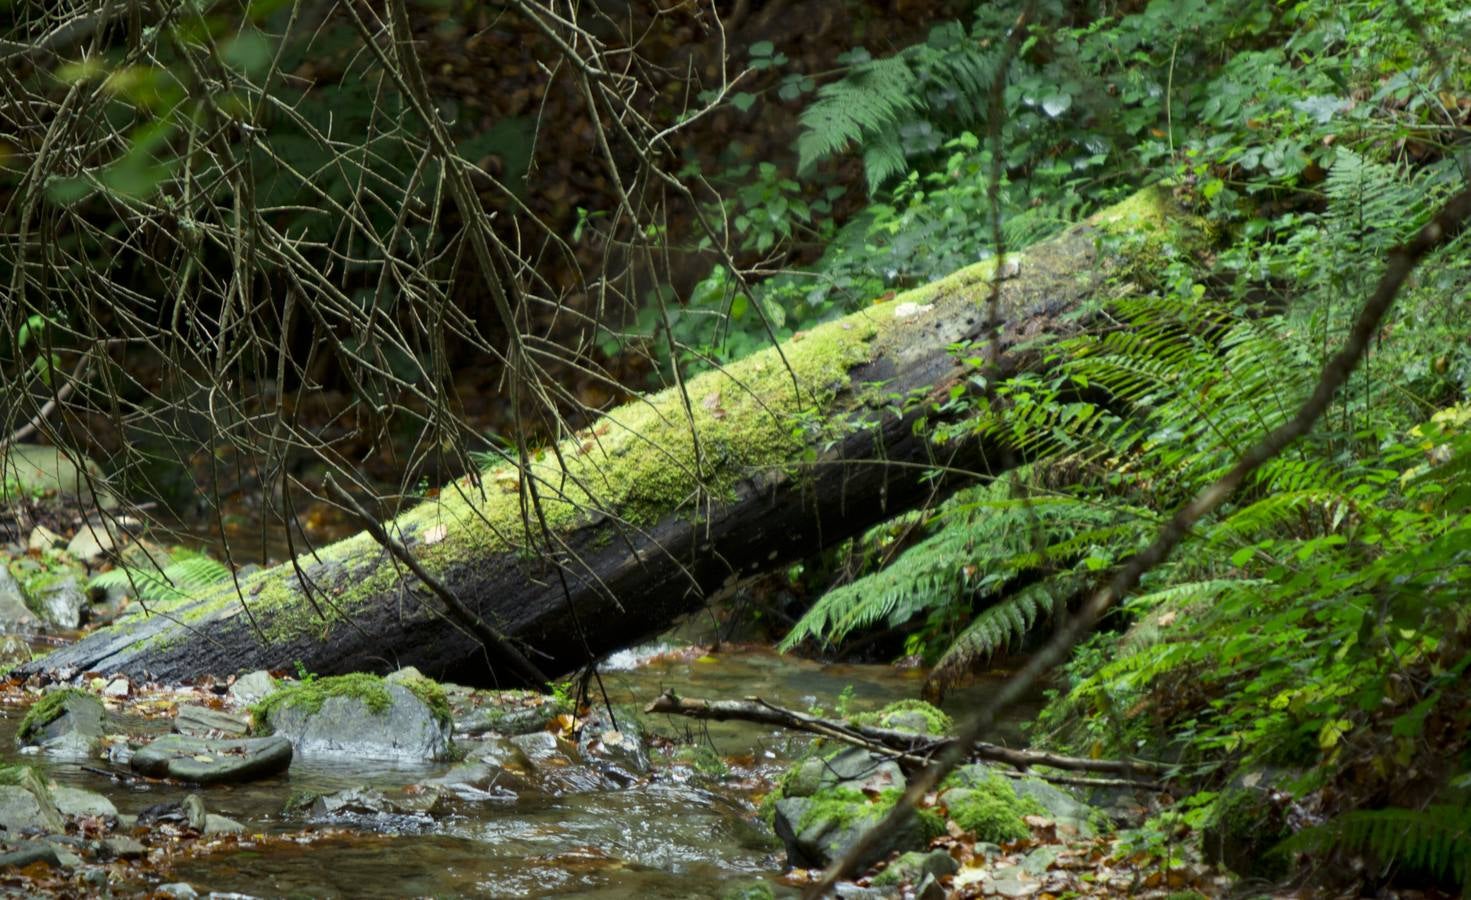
(676, 835)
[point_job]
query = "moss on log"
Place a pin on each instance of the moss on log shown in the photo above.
(659, 502)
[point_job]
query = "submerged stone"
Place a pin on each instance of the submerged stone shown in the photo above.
(213, 761)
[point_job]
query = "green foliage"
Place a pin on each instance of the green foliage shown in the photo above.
(310, 695)
(183, 573)
(1433, 841)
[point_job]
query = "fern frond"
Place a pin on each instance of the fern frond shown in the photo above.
(1002, 624)
(1435, 840)
(185, 573)
(872, 98)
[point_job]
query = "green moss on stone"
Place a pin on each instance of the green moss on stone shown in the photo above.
(936, 722)
(990, 810)
(46, 710)
(310, 695)
(659, 454)
(429, 691)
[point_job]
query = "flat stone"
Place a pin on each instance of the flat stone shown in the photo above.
(78, 803)
(207, 761)
(120, 846)
(201, 721)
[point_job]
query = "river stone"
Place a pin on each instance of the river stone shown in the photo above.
(178, 890)
(346, 727)
(201, 721)
(62, 601)
(14, 614)
(817, 843)
(508, 712)
(26, 804)
(251, 688)
(1064, 809)
(620, 750)
(214, 824)
(34, 470)
(120, 846)
(213, 761)
(75, 731)
(913, 867)
(78, 803)
(195, 815)
(369, 801)
(99, 537)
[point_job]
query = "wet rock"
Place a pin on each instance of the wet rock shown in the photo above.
(252, 688)
(506, 712)
(179, 890)
(61, 601)
(14, 614)
(207, 761)
(201, 721)
(620, 750)
(847, 890)
(77, 803)
(372, 802)
(914, 867)
(118, 687)
(29, 854)
(481, 780)
(67, 722)
(402, 727)
(26, 805)
(930, 889)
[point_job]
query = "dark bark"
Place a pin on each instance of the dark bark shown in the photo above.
(617, 584)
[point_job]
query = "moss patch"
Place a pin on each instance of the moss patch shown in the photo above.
(310, 695)
(903, 715)
(989, 809)
(663, 453)
(45, 711)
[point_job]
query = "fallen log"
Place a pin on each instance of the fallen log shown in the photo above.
(659, 503)
(909, 747)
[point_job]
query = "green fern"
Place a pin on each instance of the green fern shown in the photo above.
(1435, 840)
(183, 573)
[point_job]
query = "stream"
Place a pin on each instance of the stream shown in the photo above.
(676, 833)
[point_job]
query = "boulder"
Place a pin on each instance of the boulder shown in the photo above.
(818, 829)
(33, 470)
(26, 805)
(380, 721)
(205, 761)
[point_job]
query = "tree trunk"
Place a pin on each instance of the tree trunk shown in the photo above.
(659, 504)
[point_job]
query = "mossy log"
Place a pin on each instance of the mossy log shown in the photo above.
(661, 502)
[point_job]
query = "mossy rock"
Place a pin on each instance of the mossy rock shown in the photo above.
(909, 715)
(912, 867)
(360, 715)
(820, 828)
(986, 804)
